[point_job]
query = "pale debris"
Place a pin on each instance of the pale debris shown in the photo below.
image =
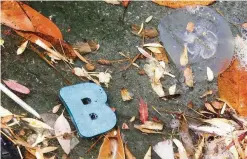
(172, 89)
(241, 51)
(22, 48)
(164, 149)
(149, 19)
(104, 77)
(210, 74)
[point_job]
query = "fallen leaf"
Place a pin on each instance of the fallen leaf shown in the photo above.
(128, 154)
(104, 62)
(186, 137)
(61, 127)
(148, 131)
(132, 118)
(16, 86)
(149, 19)
(56, 108)
(155, 50)
(188, 76)
(210, 108)
(143, 111)
(164, 149)
(22, 48)
(210, 74)
(86, 46)
(125, 126)
(190, 27)
(217, 105)
(158, 88)
(90, 67)
(144, 53)
(126, 95)
(181, 4)
(161, 56)
(125, 3)
(172, 89)
(209, 92)
(151, 125)
(181, 149)
(36, 123)
(6, 119)
(147, 33)
(148, 154)
(112, 146)
(232, 87)
(184, 57)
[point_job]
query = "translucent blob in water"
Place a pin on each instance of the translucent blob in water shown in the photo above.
(210, 44)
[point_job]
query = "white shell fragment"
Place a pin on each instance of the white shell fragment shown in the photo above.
(210, 74)
(149, 19)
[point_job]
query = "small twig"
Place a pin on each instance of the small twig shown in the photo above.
(52, 137)
(134, 59)
(198, 112)
(92, 146)
(18, 148)
(7, 137)
(80, 57)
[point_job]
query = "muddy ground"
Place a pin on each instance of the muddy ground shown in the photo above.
(111, 28)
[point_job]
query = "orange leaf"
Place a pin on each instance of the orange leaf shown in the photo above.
(112, 146)
(20, 16)
(233, 88)
(180, 4)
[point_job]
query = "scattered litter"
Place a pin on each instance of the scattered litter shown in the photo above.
(22, 48)
(149, 19)
(126, 95)
(210, 74)
(164, 149)
(56, 108)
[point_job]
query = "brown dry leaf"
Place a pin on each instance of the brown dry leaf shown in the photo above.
(186, 137)
(56, 108)
(210, 108)
(181, 4)
(86, 46)
(147, 33)
(151, 125)
(126, 95)
(217, 105)
(128, 154)
(190, 27)
(188, 76)
(209, 92)
(146, 130)
(232, 87)
(184, 57)
(161, 56)
(104, 62)
(112, 147)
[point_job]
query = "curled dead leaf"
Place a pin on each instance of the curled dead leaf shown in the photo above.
(86, 46)
(126, 95)
(147, 33)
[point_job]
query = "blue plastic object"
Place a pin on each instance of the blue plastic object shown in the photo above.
(86, 104)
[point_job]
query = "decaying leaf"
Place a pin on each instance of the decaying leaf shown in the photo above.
(125, 126)
(209, 92)
(210, 74)
(184, 57)
(232, 87)
(149, 19)
(188, 76)
(22, 48)
(148, 154)
(56, 108)
(164, 149)
(112, 146)
(147, 33)
(36, 123)
(172, 89)
(126, 95)
(86, 46)
(181, 149)
(148, 131)
(16, 86)
(210, 108)
(104, 62)
(61, 127)
(128, 154)
(190, 27)
(143, 111)
(181, 4)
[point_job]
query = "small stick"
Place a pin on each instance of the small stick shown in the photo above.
(18, 148)
(94, 143)
(19, 101)
(134, 59)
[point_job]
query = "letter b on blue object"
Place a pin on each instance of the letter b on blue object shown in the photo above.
(86, 104)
